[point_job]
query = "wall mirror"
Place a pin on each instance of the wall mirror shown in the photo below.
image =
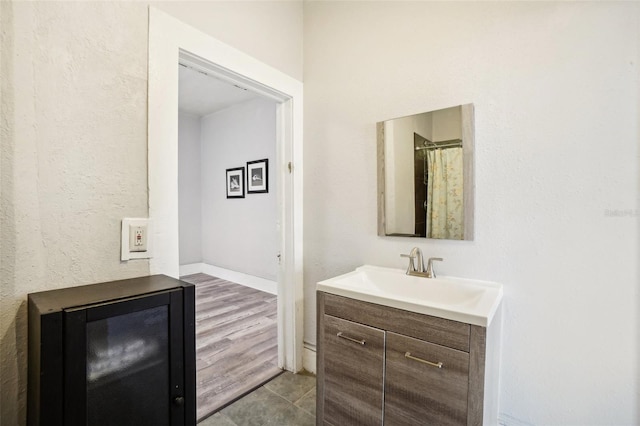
(425, 175)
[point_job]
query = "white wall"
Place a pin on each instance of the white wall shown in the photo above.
(423, 125)
(556, 94)
(74, 144)
(239, 234)
(270, 31)
(447, 124)
(400, 172)
(399, 181)
(189, 188)
(73, 158)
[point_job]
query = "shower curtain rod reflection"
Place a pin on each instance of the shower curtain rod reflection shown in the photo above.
(441, 144)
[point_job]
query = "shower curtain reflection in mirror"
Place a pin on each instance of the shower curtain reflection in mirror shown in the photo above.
(445, 205)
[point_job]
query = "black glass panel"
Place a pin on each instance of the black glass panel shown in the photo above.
(128, 369)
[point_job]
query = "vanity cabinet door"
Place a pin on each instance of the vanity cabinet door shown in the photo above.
(353, 373)
(419, 392)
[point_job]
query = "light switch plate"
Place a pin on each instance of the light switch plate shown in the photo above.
(136, 239)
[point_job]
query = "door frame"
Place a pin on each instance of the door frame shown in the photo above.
(171, 41)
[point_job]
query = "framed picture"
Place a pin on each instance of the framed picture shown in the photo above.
(235, 182)
(258, 176)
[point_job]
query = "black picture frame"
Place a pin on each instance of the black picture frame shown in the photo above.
(235, 182)
(258, 176)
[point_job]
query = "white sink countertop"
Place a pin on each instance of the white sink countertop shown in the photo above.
(458, 299)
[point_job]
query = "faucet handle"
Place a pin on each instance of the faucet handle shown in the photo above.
(412, 266)
(431, 273)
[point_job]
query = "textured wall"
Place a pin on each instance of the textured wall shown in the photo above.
(556, 94)
(270, 31)
(73, 157)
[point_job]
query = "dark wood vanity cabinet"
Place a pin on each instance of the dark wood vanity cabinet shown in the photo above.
(379, 365)
(420, 393)
(353, 372)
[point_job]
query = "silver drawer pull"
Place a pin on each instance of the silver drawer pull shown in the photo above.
(361, 342)
(433, 364)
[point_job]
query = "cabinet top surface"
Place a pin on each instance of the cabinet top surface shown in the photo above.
(63, 298)
(469, 301)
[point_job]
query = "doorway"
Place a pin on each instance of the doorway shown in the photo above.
(227, 234)
(171, 41)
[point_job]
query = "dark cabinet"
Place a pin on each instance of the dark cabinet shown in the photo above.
(118, 353)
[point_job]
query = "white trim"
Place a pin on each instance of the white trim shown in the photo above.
(309, 358)
(191, 268)
(171, 41)
(246, 280)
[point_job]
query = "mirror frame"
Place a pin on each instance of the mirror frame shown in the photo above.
(468, 151)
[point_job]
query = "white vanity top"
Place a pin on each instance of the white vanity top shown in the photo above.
(459, 299)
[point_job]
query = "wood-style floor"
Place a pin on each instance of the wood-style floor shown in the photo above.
(236, 340)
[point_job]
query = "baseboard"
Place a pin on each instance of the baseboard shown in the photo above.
(192, 268)
(246, 280)
(309, 358)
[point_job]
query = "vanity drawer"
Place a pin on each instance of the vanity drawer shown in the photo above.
(419, 392)
(440, 331)
(353, 373)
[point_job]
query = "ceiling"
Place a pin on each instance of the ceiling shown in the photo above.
(202, 94)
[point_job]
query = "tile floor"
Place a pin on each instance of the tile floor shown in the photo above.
(287, 400)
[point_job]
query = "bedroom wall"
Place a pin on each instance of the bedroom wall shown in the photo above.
(556, 94)
(239, 234)
(189, 188)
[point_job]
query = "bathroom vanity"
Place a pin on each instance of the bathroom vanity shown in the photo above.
(396, 359)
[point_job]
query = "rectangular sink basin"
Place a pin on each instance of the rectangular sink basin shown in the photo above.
(469, 301)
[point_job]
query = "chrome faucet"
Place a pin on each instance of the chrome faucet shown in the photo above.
(416, 264)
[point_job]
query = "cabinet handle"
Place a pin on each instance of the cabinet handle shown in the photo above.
(342, 336)
(424, 361)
